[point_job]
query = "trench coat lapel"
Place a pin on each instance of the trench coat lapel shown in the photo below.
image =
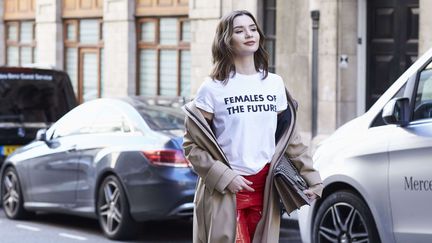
(196, 116)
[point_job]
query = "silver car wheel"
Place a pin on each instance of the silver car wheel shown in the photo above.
(342, 223)
(113, 210)
(11, 196)
(110, 211)
(344, 217)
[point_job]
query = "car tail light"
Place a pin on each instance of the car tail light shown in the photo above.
(167, 157)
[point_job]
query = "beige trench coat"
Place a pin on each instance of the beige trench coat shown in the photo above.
(215, 207)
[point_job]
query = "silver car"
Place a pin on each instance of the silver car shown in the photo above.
(377, 170)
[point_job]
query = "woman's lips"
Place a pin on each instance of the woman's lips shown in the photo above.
(250, 43)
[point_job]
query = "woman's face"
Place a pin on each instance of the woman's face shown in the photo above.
(245, 38)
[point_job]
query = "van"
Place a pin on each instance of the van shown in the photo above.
(30, 99)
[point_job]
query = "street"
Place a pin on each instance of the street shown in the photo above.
(66, 228)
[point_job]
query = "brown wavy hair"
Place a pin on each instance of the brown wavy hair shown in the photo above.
(223, 52)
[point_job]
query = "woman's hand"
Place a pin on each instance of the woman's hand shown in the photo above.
(310, 194)
(240, 183)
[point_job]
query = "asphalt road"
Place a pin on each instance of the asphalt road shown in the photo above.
(58, 228)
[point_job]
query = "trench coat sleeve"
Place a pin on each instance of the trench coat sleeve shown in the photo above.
(215, 174)
(299, 154)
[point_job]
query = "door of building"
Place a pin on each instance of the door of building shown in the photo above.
(392, 43)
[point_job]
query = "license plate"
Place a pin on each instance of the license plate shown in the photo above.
(8, 149)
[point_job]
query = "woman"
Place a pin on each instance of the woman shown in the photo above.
(230, 140)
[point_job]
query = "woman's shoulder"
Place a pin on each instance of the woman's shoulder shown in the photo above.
(275, 79)
(209, 85)
(208, 81)
(274, 76)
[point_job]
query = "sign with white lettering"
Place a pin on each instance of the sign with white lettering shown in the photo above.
(25, 76)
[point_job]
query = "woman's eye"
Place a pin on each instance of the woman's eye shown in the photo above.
(254, 29)
(238, 31)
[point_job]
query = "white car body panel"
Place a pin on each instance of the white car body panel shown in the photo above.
(377, 163)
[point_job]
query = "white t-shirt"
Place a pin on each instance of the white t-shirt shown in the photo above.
(245, 117)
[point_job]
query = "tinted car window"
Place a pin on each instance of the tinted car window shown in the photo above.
(162, 118)
(423, 98)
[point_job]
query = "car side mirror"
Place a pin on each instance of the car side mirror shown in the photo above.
(41, 135)
(396, 111)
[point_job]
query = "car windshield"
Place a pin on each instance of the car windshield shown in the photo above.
(162, 118)
(29, 96)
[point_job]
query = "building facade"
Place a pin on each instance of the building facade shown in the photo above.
(163, 47)
(108, 47)
(363, 46)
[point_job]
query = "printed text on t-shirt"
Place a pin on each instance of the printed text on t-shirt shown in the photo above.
(240, 108)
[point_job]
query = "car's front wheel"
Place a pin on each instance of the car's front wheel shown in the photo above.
(344, 217)
(113, 210)
(12, 199)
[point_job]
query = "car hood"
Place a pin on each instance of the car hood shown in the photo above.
(341, 137)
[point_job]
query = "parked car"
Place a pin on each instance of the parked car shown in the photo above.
(117, 160)
(30, 99)
(377, 169)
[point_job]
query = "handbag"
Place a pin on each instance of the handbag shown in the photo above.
(290, 185)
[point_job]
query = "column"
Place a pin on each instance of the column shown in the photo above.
(49, 35)
(120, 47)
(293, 55)
(327, 67)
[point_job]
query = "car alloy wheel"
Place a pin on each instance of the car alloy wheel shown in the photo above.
(113, 210)
(11, 195)
(343, 217)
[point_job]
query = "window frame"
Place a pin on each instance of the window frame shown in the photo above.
(157, 47)
(81, 48)
(17, 43)
(414, 92)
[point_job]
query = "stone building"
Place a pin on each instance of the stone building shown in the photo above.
(162, 47)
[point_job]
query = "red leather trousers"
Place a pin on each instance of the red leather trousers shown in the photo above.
(249, 206)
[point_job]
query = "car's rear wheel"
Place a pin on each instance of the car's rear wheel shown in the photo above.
(113, 210)
(12, 199)
(344, 217)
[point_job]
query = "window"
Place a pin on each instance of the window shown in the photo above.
(269, 30)
(423, 98)
(20, 43)
(162, 118)
(84, 57)
(164, 56)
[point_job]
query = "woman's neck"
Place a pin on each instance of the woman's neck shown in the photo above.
(245, 65)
